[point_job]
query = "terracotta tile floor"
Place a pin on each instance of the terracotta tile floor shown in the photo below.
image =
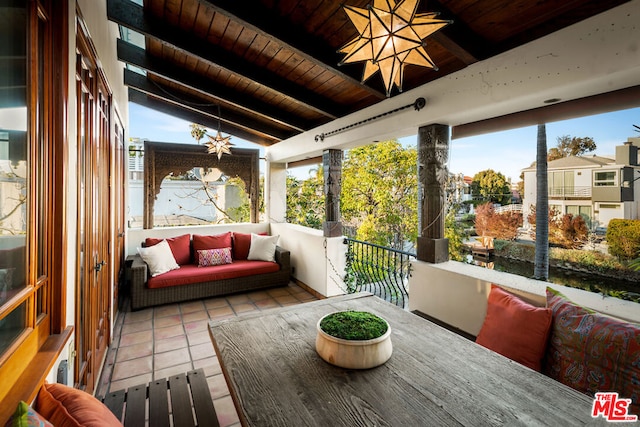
(161, 341)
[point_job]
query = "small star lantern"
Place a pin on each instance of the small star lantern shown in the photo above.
(218, 144)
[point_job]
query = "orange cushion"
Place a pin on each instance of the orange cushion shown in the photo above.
(515, 329)
(180, 247)
(65, 406)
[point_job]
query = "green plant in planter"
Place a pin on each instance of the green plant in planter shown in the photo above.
(354, 325)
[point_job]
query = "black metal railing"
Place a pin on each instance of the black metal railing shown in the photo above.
(380, 270)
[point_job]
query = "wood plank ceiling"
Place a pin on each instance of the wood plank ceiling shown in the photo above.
(270, 66)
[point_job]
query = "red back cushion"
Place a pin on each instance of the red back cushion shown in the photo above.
(242, 244)
(180, 247)
(515, 329)
(216, 241)
(65, 406)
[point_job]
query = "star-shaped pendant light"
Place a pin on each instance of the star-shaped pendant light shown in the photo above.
(390, 37)
(218, 144)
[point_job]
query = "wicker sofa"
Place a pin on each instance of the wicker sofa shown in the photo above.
(142, 296)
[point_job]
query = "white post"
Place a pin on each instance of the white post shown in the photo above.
(275, 192)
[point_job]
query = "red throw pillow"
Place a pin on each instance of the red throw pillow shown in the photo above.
(515, 329)
(180, 247)
(591, 352)
(242, 244)
(65, 406)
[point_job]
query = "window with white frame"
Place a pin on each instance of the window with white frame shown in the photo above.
(605, 178)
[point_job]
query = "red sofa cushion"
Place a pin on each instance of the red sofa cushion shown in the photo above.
(180, 247)
(242, 244)
(215, 241)
(188, 274)
(515, 328)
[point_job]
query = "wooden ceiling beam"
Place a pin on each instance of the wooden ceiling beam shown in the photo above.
(226, 115)
(263, 21)
(183, 112)
(132, 16)
(133, 55)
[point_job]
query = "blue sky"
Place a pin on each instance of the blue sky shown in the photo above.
(507, 152)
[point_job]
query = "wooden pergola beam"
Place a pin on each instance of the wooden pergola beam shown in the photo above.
(230, 120)
(181, 112)
(132, 16)
(138, 57)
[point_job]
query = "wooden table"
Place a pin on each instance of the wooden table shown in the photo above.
(434, 376)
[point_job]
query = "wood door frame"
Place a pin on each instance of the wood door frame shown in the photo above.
(95, 144)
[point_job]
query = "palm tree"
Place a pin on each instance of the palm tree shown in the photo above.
(541, 264)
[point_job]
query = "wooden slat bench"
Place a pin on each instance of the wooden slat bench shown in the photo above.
(181, 401)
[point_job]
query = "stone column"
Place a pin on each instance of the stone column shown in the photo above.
(332, 165)
(433, 152)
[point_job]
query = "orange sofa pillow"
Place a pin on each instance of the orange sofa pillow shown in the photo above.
(66, 406)
(515, 329)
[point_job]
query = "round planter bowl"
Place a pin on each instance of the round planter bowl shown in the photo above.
(354, 354)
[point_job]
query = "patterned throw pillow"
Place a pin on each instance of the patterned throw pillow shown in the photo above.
(26, 416)
(208, 257)
(591, 352)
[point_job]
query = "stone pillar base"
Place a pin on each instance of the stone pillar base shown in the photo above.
(332, 228)
(433, 250)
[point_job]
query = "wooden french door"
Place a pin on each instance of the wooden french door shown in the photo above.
(93, 303)
(118, 179)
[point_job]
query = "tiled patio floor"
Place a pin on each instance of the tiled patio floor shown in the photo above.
(161, 341)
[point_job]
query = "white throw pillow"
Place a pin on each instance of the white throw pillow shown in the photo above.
(159, 258)
(263, 248)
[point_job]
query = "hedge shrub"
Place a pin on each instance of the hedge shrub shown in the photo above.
(623, 238)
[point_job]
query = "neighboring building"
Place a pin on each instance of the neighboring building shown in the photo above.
(597, 188)
(136, 159)
(459, 191)
(179, 198)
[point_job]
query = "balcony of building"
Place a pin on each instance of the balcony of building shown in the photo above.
(570, 193)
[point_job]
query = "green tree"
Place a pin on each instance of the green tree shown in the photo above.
(571, 146)
(454, 231)
(491, 186)
(379, 193)
(305, 200)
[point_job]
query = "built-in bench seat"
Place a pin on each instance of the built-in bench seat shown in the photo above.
(579, 347)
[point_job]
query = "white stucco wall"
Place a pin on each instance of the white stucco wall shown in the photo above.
(317, 261)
